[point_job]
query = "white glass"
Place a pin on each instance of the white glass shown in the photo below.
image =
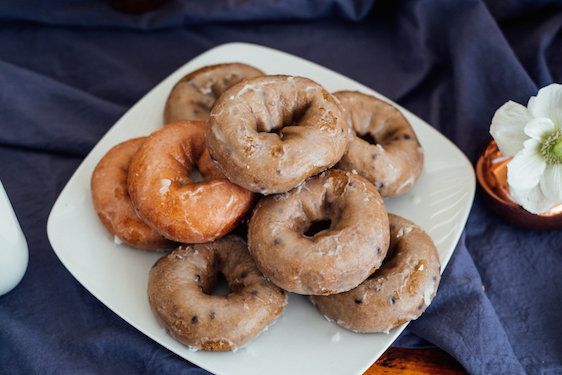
(13, 247)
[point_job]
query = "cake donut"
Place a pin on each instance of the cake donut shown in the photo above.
(350, 243)
(193, 96)
(113, 204)
(180, 294)
(165, 195)
(268, 134)
(397, 292)
(385, 149)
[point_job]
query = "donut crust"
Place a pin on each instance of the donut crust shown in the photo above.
(179, 293)
(193, 96)
(113, 204)
(395, 162)
(333, 260)
(268, 134)
(167, 199)
(399, 291)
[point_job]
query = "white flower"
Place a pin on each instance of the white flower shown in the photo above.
(533, 136)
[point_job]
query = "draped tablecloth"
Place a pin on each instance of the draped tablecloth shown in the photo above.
(70, 68)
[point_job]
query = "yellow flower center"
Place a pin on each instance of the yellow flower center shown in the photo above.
(551, 147)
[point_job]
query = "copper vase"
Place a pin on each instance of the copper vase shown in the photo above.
(491, 172)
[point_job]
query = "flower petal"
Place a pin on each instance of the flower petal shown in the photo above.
(525, 170)
(537, 128)
(548, 103)
(532, 200)
(508, 126)
(551, 183)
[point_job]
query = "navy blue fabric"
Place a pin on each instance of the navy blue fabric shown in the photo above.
(69, 69)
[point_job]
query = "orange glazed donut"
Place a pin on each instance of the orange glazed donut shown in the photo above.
(334, 259)
(113, 204)
(167, 199)
(397, 292)
(180, 294)
(385, 149)
(268, 134)
(194, 95)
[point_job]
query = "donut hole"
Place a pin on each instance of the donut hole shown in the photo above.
(368, 137)
(203, 107)
(220, 286)
(317, 226)
(292, 118)
(391, 253)
(195, 175)
(297, 115)
(263, 128)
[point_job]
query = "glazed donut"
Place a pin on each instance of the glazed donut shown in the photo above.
(167, 199)
(333, 260)
(180, 294)
(194, 95)
(397, 292)
(113, 204)
(268, 134)
(385, 149)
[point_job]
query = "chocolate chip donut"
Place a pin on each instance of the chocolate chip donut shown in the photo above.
(397, 292)
(385, 149)
(268, 134)
(113, 204)
(165, 196)
(180, 294)
(194, 95)
(351, 244)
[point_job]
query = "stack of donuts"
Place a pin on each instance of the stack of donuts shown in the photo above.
(277, 185)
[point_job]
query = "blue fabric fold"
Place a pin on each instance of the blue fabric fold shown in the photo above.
(179, 13)
(480, 336)
(70, 69)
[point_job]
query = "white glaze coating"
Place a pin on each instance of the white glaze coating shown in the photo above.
(179, 291)
(276, 133)
(396, 293)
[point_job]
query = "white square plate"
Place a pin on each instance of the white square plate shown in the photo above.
(302, 341)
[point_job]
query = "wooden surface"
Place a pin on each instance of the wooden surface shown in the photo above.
(415, 362)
